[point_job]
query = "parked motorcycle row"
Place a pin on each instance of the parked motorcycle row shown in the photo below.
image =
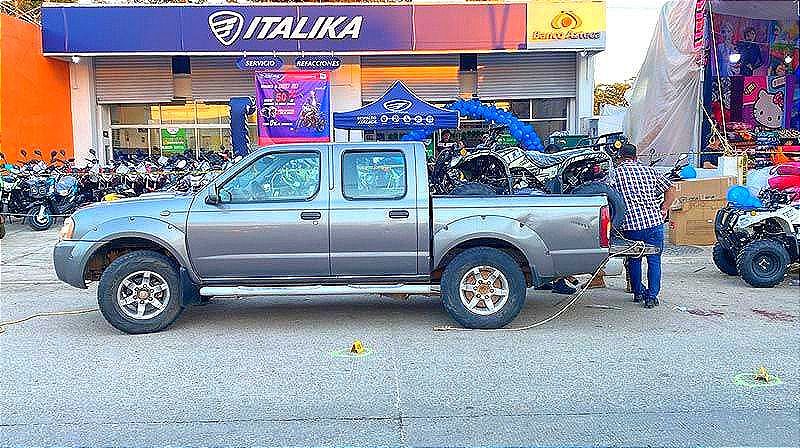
(37, 192)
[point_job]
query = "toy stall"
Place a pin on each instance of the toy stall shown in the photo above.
(751, 90)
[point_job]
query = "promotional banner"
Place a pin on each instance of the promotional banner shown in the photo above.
(173, 140)
(293, 107)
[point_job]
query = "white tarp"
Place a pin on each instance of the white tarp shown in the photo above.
(662, 120)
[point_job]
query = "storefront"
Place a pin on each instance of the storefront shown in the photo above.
(159, 78)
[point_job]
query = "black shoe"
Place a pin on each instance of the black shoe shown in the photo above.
(561, 287)
(655, 301)
(638, 298)
(649, 303)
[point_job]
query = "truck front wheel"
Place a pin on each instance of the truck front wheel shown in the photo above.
(140, 292)
(483, 287)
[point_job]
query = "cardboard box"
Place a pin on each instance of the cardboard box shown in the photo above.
(710, 188)
(693, 223)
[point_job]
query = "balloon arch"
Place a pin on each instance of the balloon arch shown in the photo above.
(523, 133)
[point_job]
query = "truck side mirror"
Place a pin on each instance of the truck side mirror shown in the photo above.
(212, 196)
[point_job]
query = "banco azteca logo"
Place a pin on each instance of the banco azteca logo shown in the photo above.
(226, 26)
(565, 20)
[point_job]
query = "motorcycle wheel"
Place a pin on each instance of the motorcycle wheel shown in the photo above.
(39, 218)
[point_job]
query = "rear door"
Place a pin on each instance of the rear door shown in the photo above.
(272, 220)
(373, 212)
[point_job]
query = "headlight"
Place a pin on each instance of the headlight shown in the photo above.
(67, 230)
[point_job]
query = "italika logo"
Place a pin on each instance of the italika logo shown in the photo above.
(397, 105)
(227, 27)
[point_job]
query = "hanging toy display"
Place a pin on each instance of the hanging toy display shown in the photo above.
(523, 133)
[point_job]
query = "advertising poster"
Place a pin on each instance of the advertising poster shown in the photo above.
(745, 37)
(293, 107)
(173, 140)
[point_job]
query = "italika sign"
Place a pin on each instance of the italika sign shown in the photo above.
(230, 26)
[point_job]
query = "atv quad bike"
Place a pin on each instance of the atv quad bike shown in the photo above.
(757, 244)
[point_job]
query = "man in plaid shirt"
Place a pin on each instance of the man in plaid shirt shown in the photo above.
(648, 195)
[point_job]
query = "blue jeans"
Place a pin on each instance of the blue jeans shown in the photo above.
(653, 236)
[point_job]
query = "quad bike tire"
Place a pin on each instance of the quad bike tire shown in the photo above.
(40, 221)
(725, 260)
(473, 189)
(508, 278)
(763, 263)
(616, 203)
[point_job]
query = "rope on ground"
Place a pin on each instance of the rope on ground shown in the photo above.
(636, 249)
(5, 324)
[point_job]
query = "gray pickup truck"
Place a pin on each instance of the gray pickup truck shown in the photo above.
(328, 219)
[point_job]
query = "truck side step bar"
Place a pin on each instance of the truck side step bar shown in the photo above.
(317, 290)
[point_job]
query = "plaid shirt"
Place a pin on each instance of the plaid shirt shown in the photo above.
(643, 189)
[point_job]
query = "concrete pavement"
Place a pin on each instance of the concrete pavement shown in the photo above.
(260, 371)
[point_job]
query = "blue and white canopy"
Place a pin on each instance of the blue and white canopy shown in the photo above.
(397, 109)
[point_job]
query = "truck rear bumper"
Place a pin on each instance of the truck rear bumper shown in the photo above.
(69, 259)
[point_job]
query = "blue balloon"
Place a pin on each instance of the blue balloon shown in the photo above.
(737, 194)
(688, 172)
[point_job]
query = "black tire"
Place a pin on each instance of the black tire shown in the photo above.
(473, 189)
(37, 221)
(763, 263)
(725, 260)
(130, 264)
(616, 203)
(460, 267)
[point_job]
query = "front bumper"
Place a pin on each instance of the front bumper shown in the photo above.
(69, 260)
(725, 229)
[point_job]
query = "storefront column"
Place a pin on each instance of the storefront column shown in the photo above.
(584, 92)
(82, 101)
(346, 94)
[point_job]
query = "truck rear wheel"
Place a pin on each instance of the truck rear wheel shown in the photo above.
(483, 287)
(140, 292)
(763, 263)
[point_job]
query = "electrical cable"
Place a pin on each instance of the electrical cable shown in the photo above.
(5, 324)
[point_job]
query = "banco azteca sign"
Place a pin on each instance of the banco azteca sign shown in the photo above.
(230, 26)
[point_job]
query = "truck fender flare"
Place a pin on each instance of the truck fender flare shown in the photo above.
(508, 230)
(159, 232)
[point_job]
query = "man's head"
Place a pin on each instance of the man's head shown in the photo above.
(750, 34)
(446, 136)
(627, 152)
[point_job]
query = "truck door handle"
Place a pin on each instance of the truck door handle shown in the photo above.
(398, 214)
(310, 216)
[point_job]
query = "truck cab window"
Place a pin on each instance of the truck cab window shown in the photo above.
(275, 177)
(373, 175)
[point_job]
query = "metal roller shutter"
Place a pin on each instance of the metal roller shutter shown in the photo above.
(133, 79)
(431, 77)
(526, 75)
(218, 79)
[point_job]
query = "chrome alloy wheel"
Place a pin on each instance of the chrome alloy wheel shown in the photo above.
(143, 295)
(483, 290)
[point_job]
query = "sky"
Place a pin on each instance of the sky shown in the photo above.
(629, 28)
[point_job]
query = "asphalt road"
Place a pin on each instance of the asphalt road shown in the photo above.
(261, 371)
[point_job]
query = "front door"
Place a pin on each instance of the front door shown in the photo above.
(272, 220)
(373, 213)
